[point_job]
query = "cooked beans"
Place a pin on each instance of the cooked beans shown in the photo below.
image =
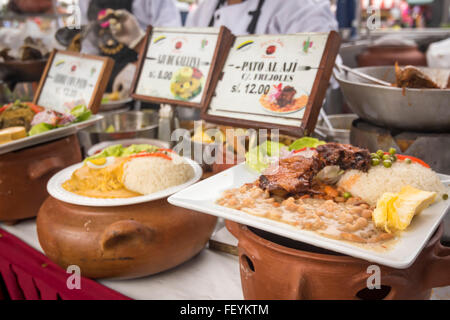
(349, 220)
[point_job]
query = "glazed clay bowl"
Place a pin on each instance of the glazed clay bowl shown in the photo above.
(121, 242)
(24, 175)
(22, 71)
(273, 267)
(388, 55)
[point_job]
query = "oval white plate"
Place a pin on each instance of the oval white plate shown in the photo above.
(55, 189)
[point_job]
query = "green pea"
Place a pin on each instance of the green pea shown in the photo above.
(374, 155)
(387, 157)
(387, 163)
(408, 161)
(393, 158)
(375, 161)
(347, 195)
(380, 153)
(392, 151)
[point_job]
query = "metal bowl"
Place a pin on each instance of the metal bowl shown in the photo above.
(342, 123)
(127, 125)
(423, 110)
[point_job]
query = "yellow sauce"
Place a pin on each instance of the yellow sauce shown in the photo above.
(106, 182)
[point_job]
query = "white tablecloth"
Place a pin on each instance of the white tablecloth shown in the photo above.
(209, 275)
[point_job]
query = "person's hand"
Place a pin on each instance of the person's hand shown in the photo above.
(123, 81)
(125, 28)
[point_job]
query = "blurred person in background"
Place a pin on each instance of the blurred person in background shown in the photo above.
(120, 40)
(264, 16)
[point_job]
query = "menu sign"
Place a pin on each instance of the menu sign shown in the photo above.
(71, 79)
(274, 81)
(176, 65)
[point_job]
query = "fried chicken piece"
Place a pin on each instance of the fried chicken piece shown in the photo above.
(345, 156)
(293, 175)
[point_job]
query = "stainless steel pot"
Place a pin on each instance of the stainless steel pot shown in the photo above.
(127, 125)
(423, 110)
(342, 123)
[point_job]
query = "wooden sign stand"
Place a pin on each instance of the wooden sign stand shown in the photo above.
(224, 42)
(312, 108)
(101, 83)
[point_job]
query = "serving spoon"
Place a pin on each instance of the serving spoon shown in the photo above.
(363, 75)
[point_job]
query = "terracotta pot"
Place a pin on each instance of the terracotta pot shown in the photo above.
(24, 175)
(295, 270)
(31, 6)
(388, 55)
(121, 242)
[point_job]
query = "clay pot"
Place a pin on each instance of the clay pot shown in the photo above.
(24, 175)
(388, 55)
(16, 71)
(31, 6)
(286, 269)
(121, 242)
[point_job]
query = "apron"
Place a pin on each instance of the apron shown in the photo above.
(107, 44)
(255, 15)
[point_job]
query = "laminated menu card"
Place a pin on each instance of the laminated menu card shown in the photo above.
(72, 79)
(178, 65)
(274, 81)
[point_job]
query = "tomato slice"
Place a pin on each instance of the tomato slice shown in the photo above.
(34, 107)
(166, 150)
(303, 149)
(4, 108)
(155, 154)
(414, 159)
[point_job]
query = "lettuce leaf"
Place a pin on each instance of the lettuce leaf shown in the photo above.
(258, 158)
(305, 142)
(81, 113)
(119, 151)
(137, 148)
(40, 128)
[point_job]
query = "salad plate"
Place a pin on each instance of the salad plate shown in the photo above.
(48, 136)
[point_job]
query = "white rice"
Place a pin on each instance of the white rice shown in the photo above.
(378, 180)
(152, 174)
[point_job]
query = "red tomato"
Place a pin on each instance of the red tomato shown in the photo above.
(414, 159)
(158, 155)
(271, 50)
(35, 108)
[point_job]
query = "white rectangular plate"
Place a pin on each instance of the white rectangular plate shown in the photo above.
(48, 136)
(203, 195)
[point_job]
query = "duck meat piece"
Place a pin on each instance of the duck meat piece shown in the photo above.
(293, 175)
(287, 96)
(345, 156)
(411, 77)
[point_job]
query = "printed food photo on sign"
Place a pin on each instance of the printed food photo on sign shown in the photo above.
(187, 83)
(281, 99)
